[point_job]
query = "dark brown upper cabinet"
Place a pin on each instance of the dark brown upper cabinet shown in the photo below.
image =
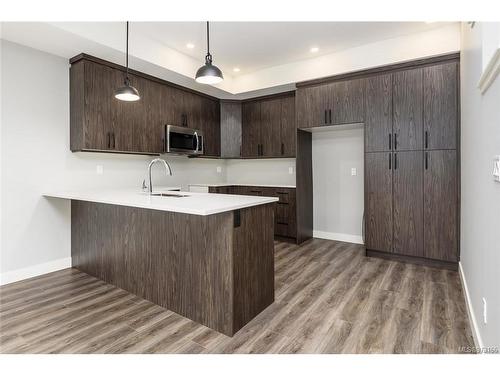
(441, 106)
(250, 129)
(310, 110)
(378, 113)
(100, 122)
(288, 127)
(268, 127)
(441, 201)
(407, 110)
(270, 132)
(333, 103)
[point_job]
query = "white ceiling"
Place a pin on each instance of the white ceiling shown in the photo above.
(272, 56)
(251, 46)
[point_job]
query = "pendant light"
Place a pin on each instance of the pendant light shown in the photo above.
(208, 73)
(127, 93)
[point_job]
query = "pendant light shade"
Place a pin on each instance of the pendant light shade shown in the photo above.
(127, 93)
(209, 73)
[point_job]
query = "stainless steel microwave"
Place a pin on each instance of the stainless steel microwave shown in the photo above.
(183, 141)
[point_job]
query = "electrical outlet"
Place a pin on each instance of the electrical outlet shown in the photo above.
(219, 169)
(290, 170)
(485, 311)
(99, 169)
(354, 172)
(496, 168)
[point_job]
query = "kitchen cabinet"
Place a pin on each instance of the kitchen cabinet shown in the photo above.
(441, 106)
(378, 115)
(331, 103)
(441, 199)
(285, 217)
(268, 127)
(230, 129)
(100, 122)
(250, 129)
(408, 203)
(288, 127)
(378, 201)
(270, 132)
(408, 110)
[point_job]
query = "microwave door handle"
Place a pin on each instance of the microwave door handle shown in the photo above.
(197, 141)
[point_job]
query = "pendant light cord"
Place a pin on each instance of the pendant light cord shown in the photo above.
(208, 40)
(126, 74)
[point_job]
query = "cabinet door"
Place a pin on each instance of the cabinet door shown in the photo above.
(407, 110)
(441, 106)
(230, 124)
(348, 103)
(310, 110)
(100, 105)
(408, 203)
(288, 128)
(378, 201)
(250, 129)
(441, 205)
(378, 115)
(270, 127)
(211, 126)
(193, 110)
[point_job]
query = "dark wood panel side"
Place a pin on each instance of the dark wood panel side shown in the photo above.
(182, 262)
(378, 201)
(304, 186)
(378, 113)
(408, 110)
(250, 129)
(253, 264)
(408, 202)
(441, 205)
(441, 106)
(77, 106)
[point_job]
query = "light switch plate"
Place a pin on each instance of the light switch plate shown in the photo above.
(219, 169)
(354, 172)
(290, 170)
(496, 168)
(99, 169)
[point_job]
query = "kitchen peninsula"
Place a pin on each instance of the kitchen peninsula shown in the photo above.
(208, 257)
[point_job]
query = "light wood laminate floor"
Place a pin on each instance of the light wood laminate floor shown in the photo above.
(330, 298)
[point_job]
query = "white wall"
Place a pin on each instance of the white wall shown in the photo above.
(35, 157)
(480, 195)
(338, 196)
(264, 171)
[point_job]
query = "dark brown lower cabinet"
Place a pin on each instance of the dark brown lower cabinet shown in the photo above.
(378, 201)
(285, 215)
(441, 205)
(411, 206)
(408, 203)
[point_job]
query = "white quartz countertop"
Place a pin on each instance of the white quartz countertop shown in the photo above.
(255, 185)
(194, 203)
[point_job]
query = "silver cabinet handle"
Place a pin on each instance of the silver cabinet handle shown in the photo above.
(197, 141)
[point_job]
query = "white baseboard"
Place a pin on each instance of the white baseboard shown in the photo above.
(478, 342)
(36, 270)
(338, 236)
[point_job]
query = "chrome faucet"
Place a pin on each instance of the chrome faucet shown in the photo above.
(167, 168)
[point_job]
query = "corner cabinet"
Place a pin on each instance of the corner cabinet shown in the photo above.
(268, 127)
(101, 123)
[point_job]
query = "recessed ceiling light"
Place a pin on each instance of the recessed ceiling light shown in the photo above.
(190, 45)
(236, 70)
(314, 49)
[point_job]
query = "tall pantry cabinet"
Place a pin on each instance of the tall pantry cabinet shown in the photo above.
(411, 163)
